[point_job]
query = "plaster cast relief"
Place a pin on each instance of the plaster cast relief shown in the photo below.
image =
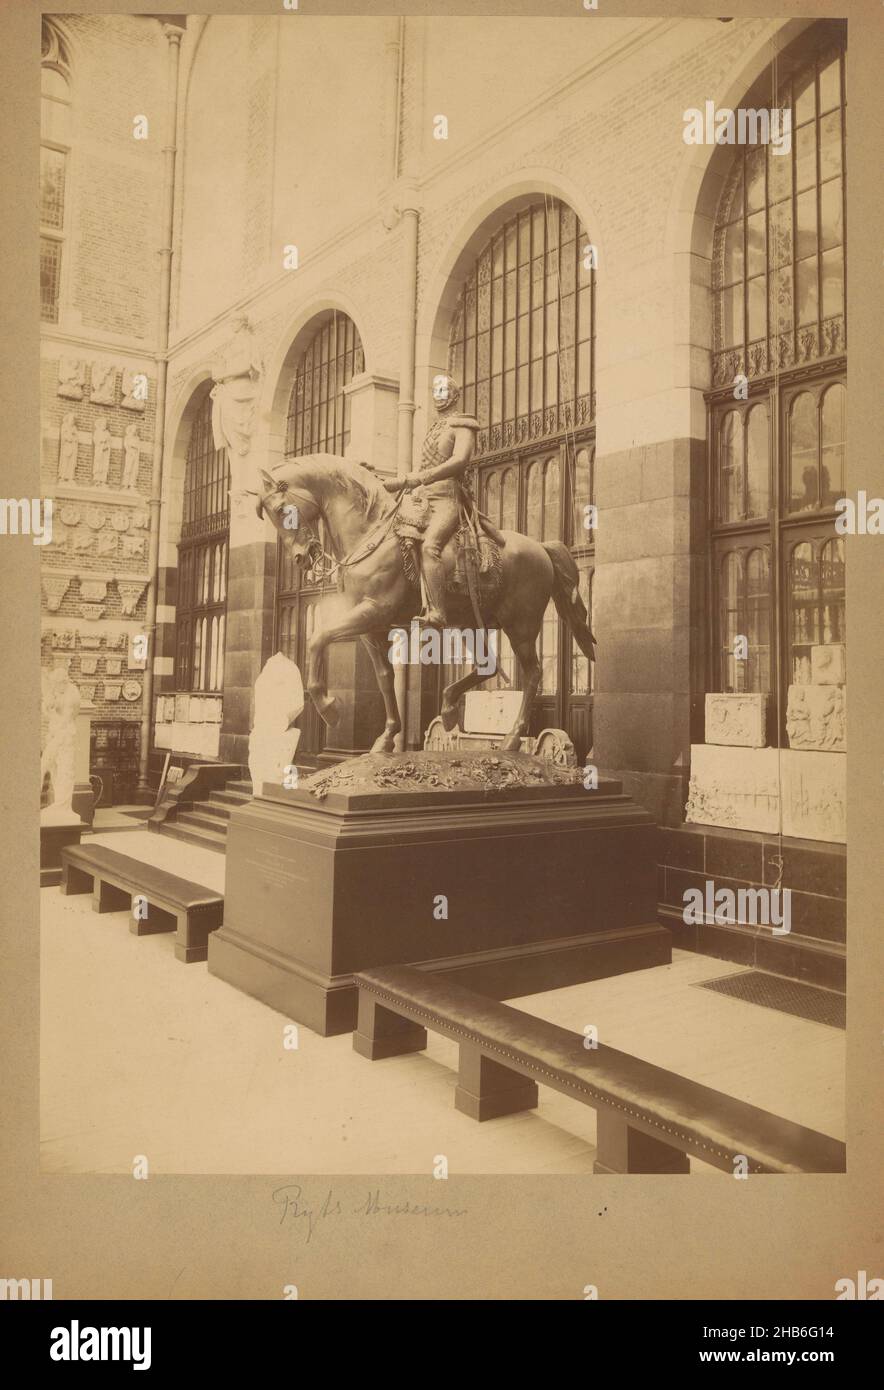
(101, 452)
(140, 519)
(87, 695)
(82, 540)
(93, 612)
(68, 443)
(55, 586)
(88, 665)
(816, 716)
(95, 517)
(736, 719)
(129, 596)
(234, 395)
(828, 664)
(130, 381)
(70, 515)
(131, 690)
(91, 641)
(71, 378)
(112, 691)
(65, 639)
(107, 543)
(131, 457)
(133, 547)
(95, 590)
(104, 384)
(113, 665)
(120, 521)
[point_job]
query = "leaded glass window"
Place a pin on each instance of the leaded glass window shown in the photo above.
(777, 450)
(202, 560)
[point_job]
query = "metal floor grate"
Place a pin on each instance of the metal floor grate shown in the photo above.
(786, 996)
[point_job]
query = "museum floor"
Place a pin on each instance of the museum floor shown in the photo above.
(144, 1055)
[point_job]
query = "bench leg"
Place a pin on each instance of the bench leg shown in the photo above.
(194, 926)
(622, 1149)
(106, 897)
(487, 1090)
(74, 880)
(156, 921)
(382, 1033)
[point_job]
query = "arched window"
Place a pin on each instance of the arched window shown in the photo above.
(318, 421)
(319, 410)
(778, 404)
(202, 559)
(521, 345)
(55, 143)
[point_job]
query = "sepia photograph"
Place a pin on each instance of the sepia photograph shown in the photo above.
(440, 567)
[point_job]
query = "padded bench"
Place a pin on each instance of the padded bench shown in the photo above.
(649, 1120)
(174, 904)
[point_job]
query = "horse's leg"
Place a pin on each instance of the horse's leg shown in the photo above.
(525, 649)
(362, 617)
(452, 693)
(377, 646)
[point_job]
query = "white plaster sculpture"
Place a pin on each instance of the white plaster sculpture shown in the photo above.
(131, 457)
(67, 449)
(101, 451)
(62, 704)
(279, 699)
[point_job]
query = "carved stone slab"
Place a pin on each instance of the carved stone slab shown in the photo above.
(816, 716)
(736, 720)
(828, 664)
(491, 711)
(734, 787)
(740, 789)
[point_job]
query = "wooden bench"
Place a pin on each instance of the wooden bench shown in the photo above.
(174, 904)
(649, 1120)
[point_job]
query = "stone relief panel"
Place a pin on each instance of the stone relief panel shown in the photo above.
(736, 719)
(104, 384)
(71, 378)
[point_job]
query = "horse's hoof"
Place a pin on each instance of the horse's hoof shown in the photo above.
(386, 743)
(511, 744)
(448, 716)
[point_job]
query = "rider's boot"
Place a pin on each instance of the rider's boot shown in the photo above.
(434, 615)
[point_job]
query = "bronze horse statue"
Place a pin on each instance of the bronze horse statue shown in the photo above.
(375, 593)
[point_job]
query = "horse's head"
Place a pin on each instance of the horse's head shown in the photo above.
(292, 511)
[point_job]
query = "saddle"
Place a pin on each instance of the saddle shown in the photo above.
(471, 557)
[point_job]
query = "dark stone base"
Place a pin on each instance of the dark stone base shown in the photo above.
(814, 951)
(53, 839)
(547, 884)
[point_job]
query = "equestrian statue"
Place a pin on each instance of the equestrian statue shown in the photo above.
(392, 538)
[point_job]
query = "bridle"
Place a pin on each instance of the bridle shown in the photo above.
(325, 565)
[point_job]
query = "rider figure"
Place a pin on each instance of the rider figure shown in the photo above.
(445, 459)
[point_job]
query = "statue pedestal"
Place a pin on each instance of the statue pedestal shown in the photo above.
(59, 827)
(499, 869)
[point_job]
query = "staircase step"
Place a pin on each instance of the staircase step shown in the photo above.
(218, 810)
(198, 818)
(244, 786)
(206, 839)
(230, 798)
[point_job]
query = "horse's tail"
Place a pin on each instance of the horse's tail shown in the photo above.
(566, 596)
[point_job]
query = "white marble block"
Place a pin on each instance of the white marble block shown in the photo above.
(738, 720)
(279, 699)
(491, 711)
(816, 717)
(828, 664)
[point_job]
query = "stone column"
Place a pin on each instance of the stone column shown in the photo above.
(649, 589)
